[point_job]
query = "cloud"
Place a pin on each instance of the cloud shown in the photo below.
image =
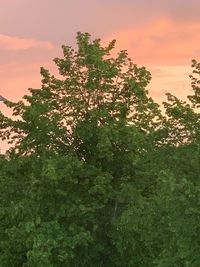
(166, 47)
(162, 42)
(17, 43)
(16, 78)
(174, 79)
(58, 21)
(21, 59)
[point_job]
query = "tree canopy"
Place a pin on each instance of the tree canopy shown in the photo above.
(96, 174)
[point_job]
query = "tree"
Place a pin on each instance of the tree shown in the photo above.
(96, 175)
(79, 142)
(177, 197)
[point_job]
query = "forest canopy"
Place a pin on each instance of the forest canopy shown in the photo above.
(96, 174)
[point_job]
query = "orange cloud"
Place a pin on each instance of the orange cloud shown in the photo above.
(163, 42)
(18, 43)
(166, 48)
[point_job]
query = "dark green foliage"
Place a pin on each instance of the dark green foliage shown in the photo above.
(96, 175)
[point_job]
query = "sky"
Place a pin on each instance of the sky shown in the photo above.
(162, 35)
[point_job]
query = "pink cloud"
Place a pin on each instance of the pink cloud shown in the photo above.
(18, 43)
(16, 81)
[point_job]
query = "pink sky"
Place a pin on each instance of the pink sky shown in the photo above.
(162, 35)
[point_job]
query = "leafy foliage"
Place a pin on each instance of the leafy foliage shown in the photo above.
(96, 175)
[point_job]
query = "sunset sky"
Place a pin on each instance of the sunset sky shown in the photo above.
(163, 35)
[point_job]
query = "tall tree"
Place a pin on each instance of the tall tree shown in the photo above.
(79, 143)
(96, 175)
